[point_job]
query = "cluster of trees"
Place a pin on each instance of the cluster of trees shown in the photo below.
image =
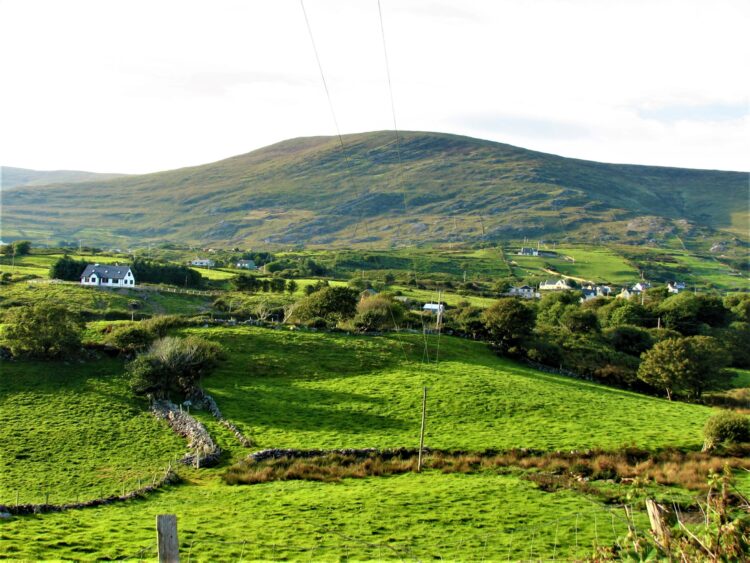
(67, 268)
(296, 267)
(151, 271)
(251, 284)
(17, 248)
(675, 345)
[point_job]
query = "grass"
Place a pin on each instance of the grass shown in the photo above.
(420, 516)
(313, 390)
(98, 302)
(74, 431)
(317, 390)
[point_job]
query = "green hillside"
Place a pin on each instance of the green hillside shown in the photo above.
(11, 177)
(287, 388)
(426, 187)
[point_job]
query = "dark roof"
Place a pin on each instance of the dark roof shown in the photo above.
(106, 271)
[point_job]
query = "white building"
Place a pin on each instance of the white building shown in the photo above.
(108, 275)
(247, 265)
(675, 287)
(437, 308)
(559, 285)
(203, 262)
(524, 291)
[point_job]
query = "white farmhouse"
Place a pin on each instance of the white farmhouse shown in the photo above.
(434, 308)
(107, 275)
(203, 262)
(559, 285)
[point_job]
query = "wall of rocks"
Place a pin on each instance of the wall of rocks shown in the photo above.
(203, 450)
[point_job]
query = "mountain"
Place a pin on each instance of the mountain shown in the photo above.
(13, 177)
(423, 187)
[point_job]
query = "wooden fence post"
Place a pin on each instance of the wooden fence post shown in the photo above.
(166, 536)
(658, 527)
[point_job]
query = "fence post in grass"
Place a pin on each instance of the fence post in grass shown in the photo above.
(166, 537)
(421, 433)
(658, 526)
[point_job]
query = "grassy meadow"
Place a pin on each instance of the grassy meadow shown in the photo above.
(74, 431)
(295, 389)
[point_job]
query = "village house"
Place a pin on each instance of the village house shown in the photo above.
(675, 287)
(559, 285)
(247, 265)
(203, 262)
(641, 286)
(108, 275)
(525, 292)
(528, 252)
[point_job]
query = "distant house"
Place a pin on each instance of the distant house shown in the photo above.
(203, 262)
(528, 252)
(434, 308)
(525, 291)
(559, 285)
(590, 291)
(247, 265)
(627, 293)
(108, 275)
(641, 286)
(675, 287)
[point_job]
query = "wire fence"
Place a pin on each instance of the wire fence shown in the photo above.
(572, 537)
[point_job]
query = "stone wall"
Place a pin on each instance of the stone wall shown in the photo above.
(203, 450)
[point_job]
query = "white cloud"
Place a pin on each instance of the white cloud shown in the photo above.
(138, 86)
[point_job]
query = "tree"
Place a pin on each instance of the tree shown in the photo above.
(688, 366)
(67, 268)
(631, 340)
(173, 365)
(576, 319)
(44, 330)
(18, 248)
(687, 312)
(291, 287)
(508, 321)
(333, 304)
(379, 312)
(245, 282)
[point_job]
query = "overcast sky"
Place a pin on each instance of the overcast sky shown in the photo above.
(146, 85)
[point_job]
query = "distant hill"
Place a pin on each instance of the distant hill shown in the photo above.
(427, 187)
(12, 177)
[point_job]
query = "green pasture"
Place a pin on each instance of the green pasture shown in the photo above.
(412, 516)
(96, 301)
(73, 431)
(303, 389)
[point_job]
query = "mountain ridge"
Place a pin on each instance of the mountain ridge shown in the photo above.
(429, 187)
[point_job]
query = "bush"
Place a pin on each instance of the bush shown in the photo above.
(727, 428)
(131, 338)
(173, 365)
(43, 330)
(162, 324)
(334, 304)
(379, 312)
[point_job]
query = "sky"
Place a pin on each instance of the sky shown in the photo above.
(138, 86)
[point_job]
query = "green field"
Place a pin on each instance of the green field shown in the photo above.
(427, 516)
(103, 302)
(298, 389)
(302, 389)
(74, 431)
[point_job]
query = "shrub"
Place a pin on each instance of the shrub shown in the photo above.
(131, 338)
(162, 324)
(726, 427)
(379, 312)
(173, 365)
(331, 303)
(43, 330)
